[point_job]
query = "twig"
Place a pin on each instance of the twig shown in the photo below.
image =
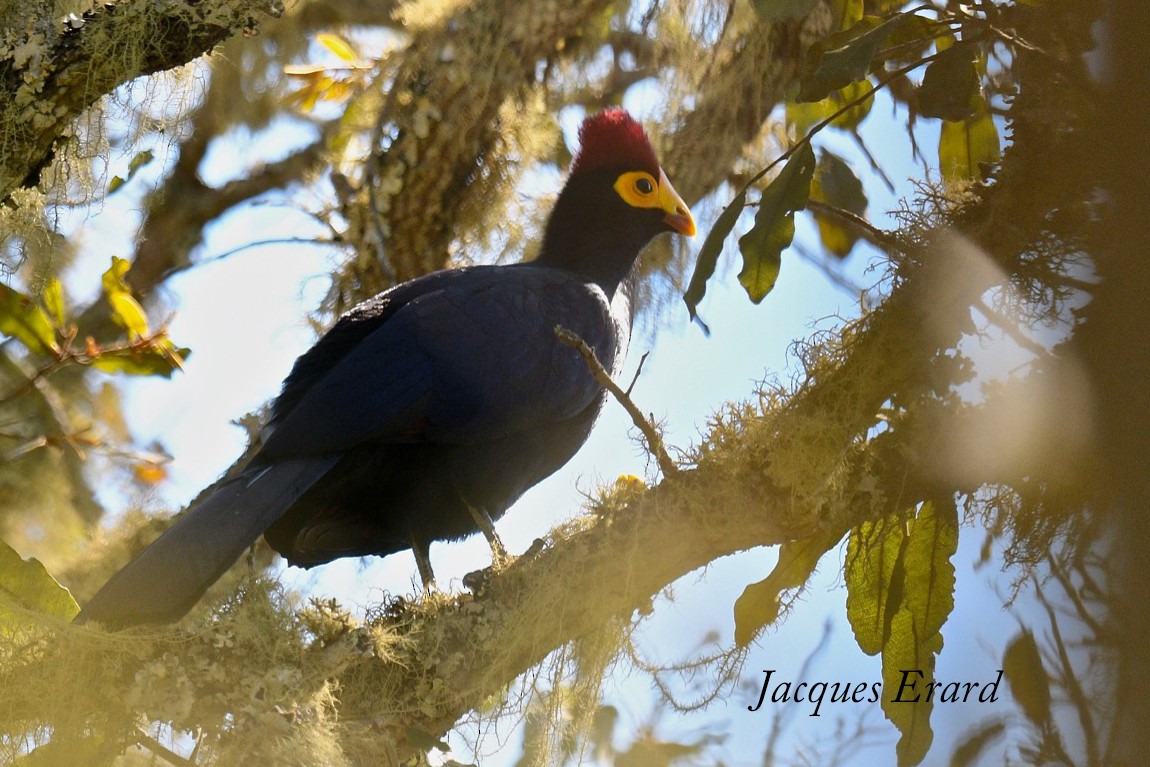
(258, 244)
(638, 372)
(806, 139)
(879, 237)
(838, 280)
(1074, 691)
(1008, 326)
(654, 441)
(157, 748)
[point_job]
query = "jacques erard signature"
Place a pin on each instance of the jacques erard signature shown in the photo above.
(911, 689)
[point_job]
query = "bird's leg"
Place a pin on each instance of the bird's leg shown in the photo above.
(487, 527)
(422, 552)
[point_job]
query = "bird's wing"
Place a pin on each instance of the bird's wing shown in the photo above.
(473, 360)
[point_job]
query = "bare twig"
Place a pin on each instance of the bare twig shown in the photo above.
(879, 237)
(156, 342)
(1008, 326)
(638, 372)
(806, 139)
(158, 749)
(642, 423)
(1074, 691)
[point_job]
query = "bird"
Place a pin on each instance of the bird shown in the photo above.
(428, 410)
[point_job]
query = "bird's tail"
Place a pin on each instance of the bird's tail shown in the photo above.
(166, 579)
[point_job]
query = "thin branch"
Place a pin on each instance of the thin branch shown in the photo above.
(69, 356)
(1078, 697)
(184, 206)
(642, 423)
(879, 237)
(256, 244)
(875, 167)
(1081, 610)
(806, 139)
(836, 279)
(158, 749)
(638, 372)
(1008, 326)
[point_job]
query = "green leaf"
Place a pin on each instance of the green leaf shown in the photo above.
(912, 39)
(950, 84)
(140, 160)
(774, 227)
(712, 248)
(781, 10)
(966, 145)
(26, 585)
(22, 319)
(846, 13)
(915, 637)
(759, 604)
(873, 549)
(802, 116)
(143, 362)
(1029, 683)
(844, 57)
(835, 184)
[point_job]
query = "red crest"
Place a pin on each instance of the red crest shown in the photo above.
(612, 138)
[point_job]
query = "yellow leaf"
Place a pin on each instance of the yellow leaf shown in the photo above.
(964, 146)
(305, 71)
(129, 314)
(126, 311)
(26, 585)
(1028, 680)
(873, 550)
(804, 115)
(112, 280)
(53, 300)
(337, 45)
(149, 473)
(913, 621)
(144, 362)
(760, 603)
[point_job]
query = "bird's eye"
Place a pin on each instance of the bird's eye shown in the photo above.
(638, 188)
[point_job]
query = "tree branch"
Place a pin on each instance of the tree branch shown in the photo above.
(65, 66)
(185, 205)
(642, 423)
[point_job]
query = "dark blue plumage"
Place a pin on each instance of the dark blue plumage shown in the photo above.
(436, 404)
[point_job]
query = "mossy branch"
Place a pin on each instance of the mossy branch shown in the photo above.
(81, 59)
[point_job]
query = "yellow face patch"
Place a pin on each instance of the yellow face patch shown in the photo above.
(640, 189)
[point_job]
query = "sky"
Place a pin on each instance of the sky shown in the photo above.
(244, 342)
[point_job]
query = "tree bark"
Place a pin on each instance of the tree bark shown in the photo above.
(65, 65)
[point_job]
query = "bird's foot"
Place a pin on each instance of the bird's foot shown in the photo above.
(499, 555)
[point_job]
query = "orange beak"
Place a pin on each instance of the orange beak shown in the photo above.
(678, 215)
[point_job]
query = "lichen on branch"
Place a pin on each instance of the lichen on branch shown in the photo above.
(52, 69)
